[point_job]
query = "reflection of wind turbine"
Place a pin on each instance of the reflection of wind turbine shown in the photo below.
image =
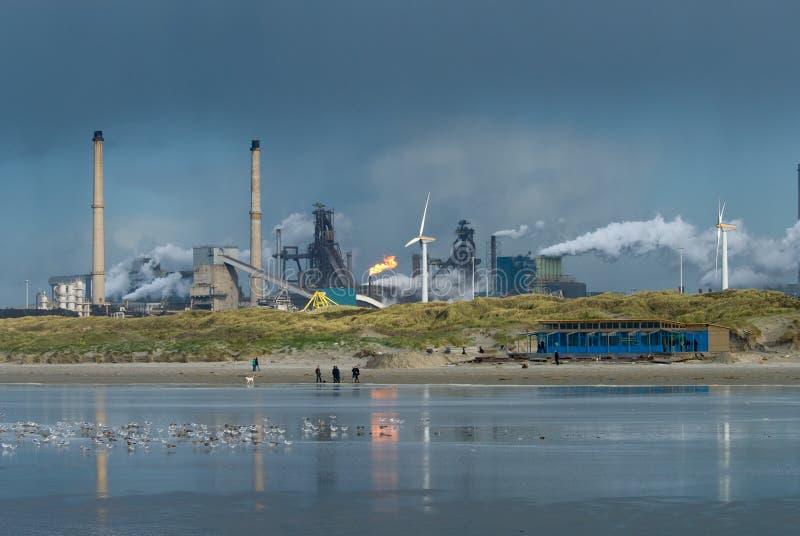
(722, 233)
(423, 240)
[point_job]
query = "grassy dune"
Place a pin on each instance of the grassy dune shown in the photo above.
(210, 336)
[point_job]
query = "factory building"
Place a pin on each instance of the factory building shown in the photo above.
(462, 253)
(71, 293)
(321, 265)
(626, 336)
(216, 282)
(523, 274)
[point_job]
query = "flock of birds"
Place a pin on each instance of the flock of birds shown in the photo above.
(146, 436)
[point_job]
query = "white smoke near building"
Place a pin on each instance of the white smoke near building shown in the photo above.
(513, 234)
(754, 261)
(448, 286)
(297, 229)
(152, 276)
(173, 285)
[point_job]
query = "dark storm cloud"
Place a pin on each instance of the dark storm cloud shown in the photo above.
(510, 112)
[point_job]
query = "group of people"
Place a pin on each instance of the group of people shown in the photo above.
(337, 375)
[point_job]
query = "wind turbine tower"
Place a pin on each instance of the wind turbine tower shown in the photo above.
(722, 234)
(423, 240)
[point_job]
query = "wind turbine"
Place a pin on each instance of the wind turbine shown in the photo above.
(423, 240)
(722, 234)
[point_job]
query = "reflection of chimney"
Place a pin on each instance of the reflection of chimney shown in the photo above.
(98, 237)
(256, 282)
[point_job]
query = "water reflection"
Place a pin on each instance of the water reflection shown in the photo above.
(384, 439)
(724, 462)
(101, 462)
(101, 456)
(472, 445)
(258, 462)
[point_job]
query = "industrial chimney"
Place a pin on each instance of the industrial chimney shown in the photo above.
(98, 236)
(256, 282)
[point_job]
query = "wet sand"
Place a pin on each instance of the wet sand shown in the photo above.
(233, 373)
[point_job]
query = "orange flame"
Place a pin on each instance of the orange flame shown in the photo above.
(388, 264)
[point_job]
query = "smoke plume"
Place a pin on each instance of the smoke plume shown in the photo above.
(754, 261)
(297, 229)
(162, 288)
(133, 279)
(515, 233)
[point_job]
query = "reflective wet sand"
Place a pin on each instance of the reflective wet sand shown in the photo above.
(360, 459)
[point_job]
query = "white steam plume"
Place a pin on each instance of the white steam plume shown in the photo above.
(297, 229)
(449, 286)
(161, 288)
(516, 233)
(755, 261)
(168, 257)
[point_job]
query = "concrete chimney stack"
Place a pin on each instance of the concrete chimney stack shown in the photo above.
(256, 283)
(98, 234)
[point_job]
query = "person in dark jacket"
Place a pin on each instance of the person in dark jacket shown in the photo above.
(319, 374)
(555, 358)
(356, 374)
(337, 378)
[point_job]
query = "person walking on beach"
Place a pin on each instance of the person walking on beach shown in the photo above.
(356, 374)
(337, 378)
(319, 374)
(555, 358)
(256, 366)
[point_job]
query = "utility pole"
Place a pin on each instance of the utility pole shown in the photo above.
(473, 278)
(681, 287)
(27, 300)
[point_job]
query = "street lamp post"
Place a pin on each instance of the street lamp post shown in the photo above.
(681, 287)
(27, 300)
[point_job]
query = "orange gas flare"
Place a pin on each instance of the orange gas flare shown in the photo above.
(388, 264)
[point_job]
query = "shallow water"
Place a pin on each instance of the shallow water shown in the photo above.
(472, 460)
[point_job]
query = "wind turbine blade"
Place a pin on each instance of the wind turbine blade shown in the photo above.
(719, 211)
(424, 214)
(722, 213)
(413, 241)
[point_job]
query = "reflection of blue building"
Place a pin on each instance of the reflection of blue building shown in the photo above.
(626, 337)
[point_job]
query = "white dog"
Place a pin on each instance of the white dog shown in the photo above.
(250, 380)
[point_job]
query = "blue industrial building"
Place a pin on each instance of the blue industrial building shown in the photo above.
(514, 275)
(623, 336)
(523, 274)
(342, 296)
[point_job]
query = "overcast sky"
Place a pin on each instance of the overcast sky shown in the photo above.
(573, 113)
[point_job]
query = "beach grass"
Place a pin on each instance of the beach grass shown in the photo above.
(200, 335)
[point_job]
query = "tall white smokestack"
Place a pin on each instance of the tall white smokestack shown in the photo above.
(98, 235)
(256, 283)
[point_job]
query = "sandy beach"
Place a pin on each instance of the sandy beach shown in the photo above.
(232, 373)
